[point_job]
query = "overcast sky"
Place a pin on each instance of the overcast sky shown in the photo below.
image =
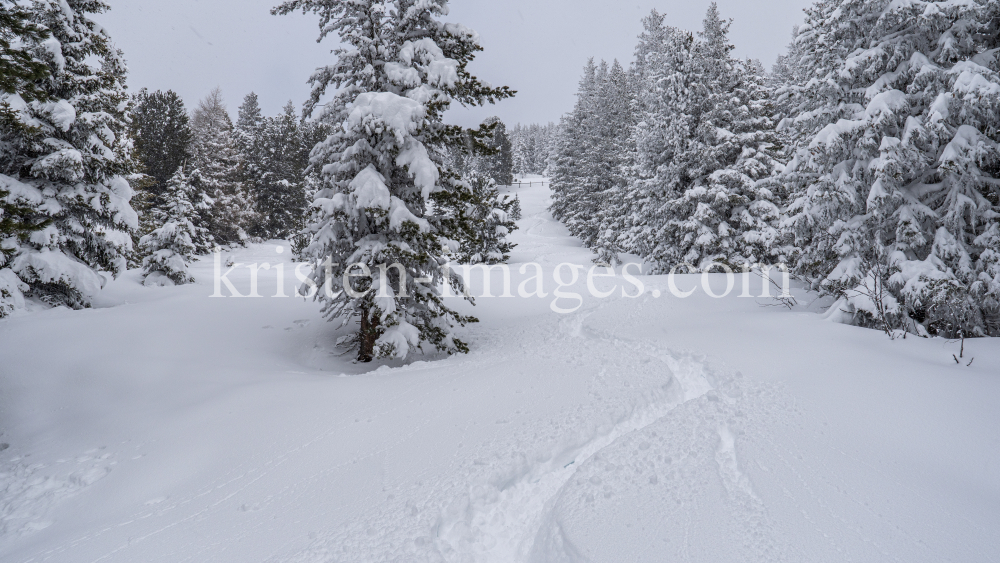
(537, 47)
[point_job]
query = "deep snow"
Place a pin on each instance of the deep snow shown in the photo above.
(167, 426)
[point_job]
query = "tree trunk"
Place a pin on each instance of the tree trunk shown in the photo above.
(369, 333)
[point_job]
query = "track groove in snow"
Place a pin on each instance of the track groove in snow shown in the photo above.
(498, 521)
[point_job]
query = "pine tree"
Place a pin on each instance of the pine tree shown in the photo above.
(387, 195)
(531, 147)
(614, 125)
(313, 132)
(499, 166)
(21, 72)
(895, 170)
(491, 157)
(169, 248)
(250, 139)
(787, 69)
(459, 158)
(571, 171)
(588, 171)
(666, 104)
(161, 135)
(248, 135)
(492, 220)
(20, 75)
(215, 173)
(16, 225)
(727, 210)
(638, 152)
(523, 149)
(70, 161)
(281, 197)
(161, 132)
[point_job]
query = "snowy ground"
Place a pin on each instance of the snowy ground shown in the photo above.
(167, 426)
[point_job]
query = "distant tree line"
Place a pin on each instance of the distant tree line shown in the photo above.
(532, 146)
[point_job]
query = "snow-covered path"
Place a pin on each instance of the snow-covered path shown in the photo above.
(169, 426)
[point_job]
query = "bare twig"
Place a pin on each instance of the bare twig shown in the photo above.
(961, 351)
(783, 299)
(873, 287)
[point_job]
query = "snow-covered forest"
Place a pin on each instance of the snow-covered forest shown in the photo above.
(721, 309)
(865, 160)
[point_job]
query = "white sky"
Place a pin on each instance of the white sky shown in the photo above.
(537, 47)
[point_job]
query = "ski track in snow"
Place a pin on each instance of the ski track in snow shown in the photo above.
(499, 520)
(488, 515)
(503, 509)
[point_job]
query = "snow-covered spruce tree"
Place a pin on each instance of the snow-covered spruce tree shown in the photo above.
(492, 217)
(515, 209)
(459, 158)
(545, 146)
(66, 163)
(574, 168)
(499, 165)
(280, 197)
(895, 168)
(176, 239)
(313, 132)
(489, 154)
(161, 133)
(787, 70)
(21, 72)
(664, 74)
(215, 173)
(522, 147)
(626, 231)
(250, 140)
(248, 136)
(615, 120)
(727, 204)
(388, 198)
(20, 75)
(16, 225)
(565, 172)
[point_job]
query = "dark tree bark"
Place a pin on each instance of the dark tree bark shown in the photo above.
(369, 334)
